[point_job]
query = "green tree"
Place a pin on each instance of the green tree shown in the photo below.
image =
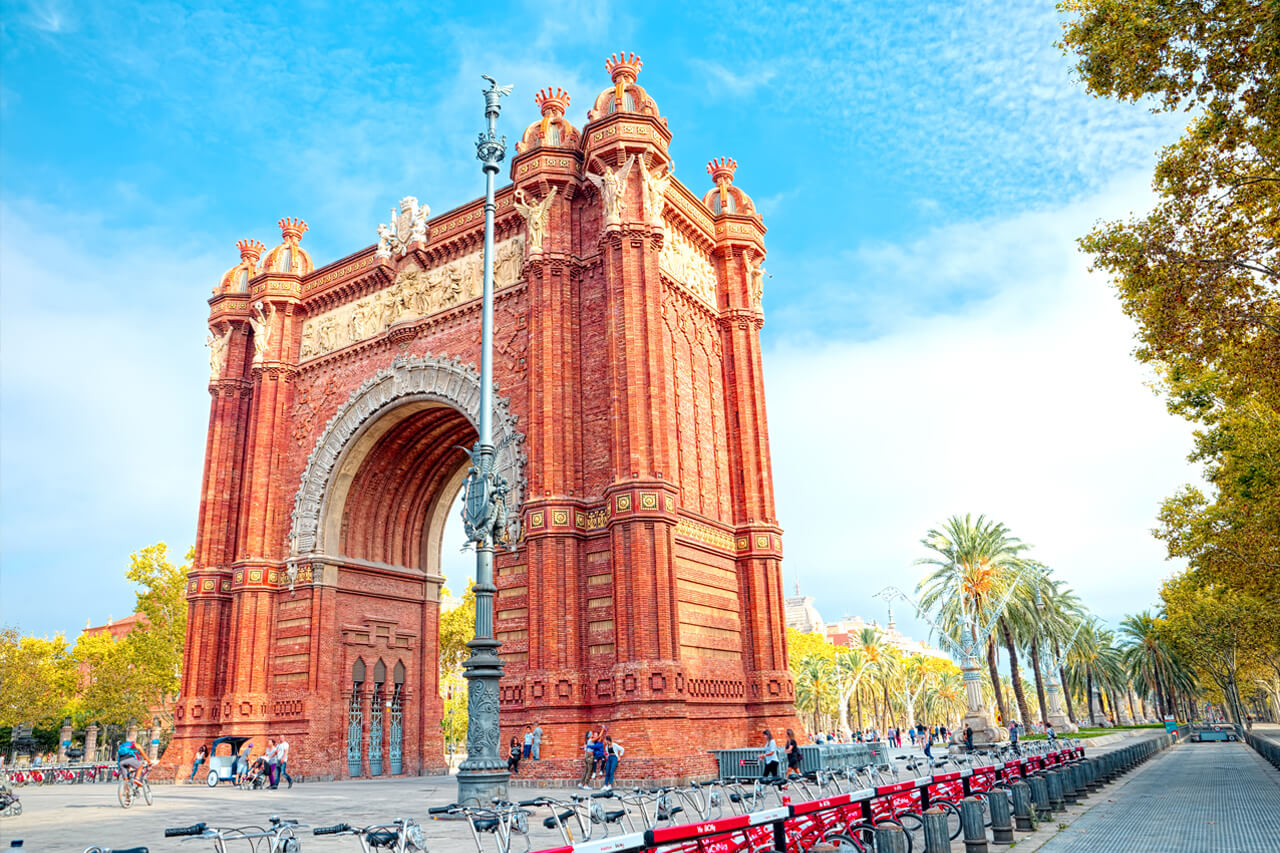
(37, 679)
(155, 645)
(457, 628)
(975, 563)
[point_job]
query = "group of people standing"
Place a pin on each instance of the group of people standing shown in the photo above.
(523, 750)
(600, 758)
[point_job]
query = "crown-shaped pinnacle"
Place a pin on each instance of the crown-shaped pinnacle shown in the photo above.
(622, 65)
(292, 229)
(250, 249)
(552, 101)
(721, 170)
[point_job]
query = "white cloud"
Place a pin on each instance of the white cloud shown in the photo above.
(724, 80)
(1025, 405)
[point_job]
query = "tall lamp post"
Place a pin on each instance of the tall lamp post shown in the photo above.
(483, 776)
(1053, 686)
(977, 716)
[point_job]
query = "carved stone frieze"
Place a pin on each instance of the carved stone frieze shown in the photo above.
(440, 380)
(416, 293)
(689, 266)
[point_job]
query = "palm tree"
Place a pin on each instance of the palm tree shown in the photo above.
(944, 698)
(1148, 659)
(976, 562)
(850, 666)
(815, 687)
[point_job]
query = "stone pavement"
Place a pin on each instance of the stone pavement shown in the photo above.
(1191, 798)
(73, 817)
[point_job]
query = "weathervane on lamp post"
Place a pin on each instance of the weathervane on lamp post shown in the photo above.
(483, 776)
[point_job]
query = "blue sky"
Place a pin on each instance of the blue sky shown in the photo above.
(935, 344)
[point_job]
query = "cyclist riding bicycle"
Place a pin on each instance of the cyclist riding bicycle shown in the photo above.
(131, 759)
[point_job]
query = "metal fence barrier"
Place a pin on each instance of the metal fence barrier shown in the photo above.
(746, 764)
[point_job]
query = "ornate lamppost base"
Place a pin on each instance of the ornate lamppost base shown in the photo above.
(480, 787)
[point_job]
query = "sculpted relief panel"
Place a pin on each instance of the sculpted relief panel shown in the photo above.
(416, 293)
(687, 264)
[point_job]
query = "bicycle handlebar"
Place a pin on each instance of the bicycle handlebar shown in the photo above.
(332, 830)
(442, 809)
(180, 831)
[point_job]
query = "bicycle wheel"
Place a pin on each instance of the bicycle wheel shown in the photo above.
(953, 818)
(913, 824)
(146, 792)
(124, 794)
(846, 843)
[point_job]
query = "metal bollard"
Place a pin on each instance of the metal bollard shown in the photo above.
(1095, 774)
(1078, 778)
(1054, 783)
(1040, 796)
(1066, 778)
(1022, 805)
(937, 837)
(974, 826)
(890, 838)
(1001, 825)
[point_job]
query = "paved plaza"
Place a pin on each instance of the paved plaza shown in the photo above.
(1190, 798)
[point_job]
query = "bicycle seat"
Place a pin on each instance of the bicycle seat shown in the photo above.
(550, 823)
(382, 838)
(669, 813)
(130, 850)
(487, 824)
(612, 816)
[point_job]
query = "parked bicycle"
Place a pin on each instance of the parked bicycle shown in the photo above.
(403, 835)
(279, 836)
(115, 850)
(504, 821)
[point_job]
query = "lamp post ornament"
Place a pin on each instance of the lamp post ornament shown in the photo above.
(483, 776)
(1057, 717)
(976, 716)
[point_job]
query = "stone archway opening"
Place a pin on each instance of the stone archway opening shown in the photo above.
(374, 515)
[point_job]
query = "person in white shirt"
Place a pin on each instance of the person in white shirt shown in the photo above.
(278, 756)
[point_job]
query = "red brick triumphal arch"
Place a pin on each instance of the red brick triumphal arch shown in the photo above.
(643, 586)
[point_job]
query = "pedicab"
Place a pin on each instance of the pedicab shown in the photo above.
(222, 768)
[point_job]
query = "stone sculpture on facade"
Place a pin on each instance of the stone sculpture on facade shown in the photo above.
(655, 194)
(612, 184)
(410, 224)
(261, 325)
(688, 265)
(535, 218)
(218, 344)
(755, 277)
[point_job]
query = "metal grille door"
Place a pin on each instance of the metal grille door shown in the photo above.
(375, 732)
(355, 730)
(396, 724)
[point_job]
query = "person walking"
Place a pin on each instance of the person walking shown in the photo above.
(613, 754)
(528, 742)
(793, 754)
(201, 754)
(282, 763)
(269, 758)
(968, 738)
(1013, 737)
(537, 741)
(242, 763)
(770, 756)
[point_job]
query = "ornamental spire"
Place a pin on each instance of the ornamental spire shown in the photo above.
(553, 103)
(250, 250)
(292, 229)
(624, 70)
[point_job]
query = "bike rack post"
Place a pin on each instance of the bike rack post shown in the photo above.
(971, 821)
(890, 839)
(1040, 796)
(1054, 784)
(1001, 825)
(937, 837)
(1067, 780)
(1022, 805)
